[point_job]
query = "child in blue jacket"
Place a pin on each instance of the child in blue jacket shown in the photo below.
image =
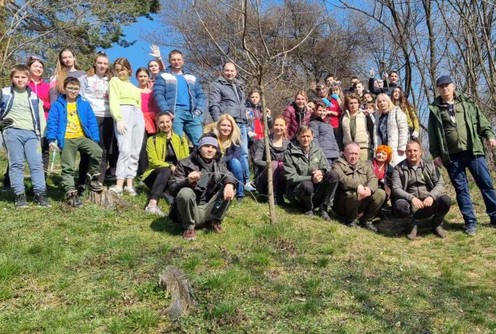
(72, 123)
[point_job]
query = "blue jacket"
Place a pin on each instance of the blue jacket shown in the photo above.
(165, 92)
(7, 99)
(57, 120)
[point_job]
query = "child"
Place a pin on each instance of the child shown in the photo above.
(66, 67)
(125, 101)
(22, 115)
(72, 123)
(323, 132)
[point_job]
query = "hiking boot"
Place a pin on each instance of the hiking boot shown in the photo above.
(155, 210)
(309, 213)
(324, 215)
(470, 229)
(20, 201)
(413, 233)
(369, 225)
(440, 232)
(189, 235)
(216, 227)
(42, 200)
(73, 199)
(131, 191)
(94, 184)
(351, 223)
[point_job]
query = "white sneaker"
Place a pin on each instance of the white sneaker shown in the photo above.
(249, 186)
(116, 190)
(155, 210)
(131, 191)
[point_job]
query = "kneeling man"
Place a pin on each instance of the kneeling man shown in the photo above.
(203, 188)
(418, 191)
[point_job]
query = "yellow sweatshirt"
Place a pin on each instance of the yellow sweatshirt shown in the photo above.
(120, 93)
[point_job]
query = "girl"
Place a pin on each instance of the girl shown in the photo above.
(392, 127)
(150, 111)
(154, 68)
(124, 100)
(296, 114)
(230, 145)
(95, 90)
(254, 116)
(400, 100)
(66, 67)
(277, 146)
(164, 150)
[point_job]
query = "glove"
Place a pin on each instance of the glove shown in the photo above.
(155, 51)
(5, 122)
(53, 147)
(415, 134)
(251, 134)
(121, 127)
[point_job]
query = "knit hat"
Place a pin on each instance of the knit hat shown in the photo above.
(386, 149)
(207, 140)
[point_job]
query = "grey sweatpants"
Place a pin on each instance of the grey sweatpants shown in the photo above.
(129, 143)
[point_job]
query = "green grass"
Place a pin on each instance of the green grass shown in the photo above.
(90, 270)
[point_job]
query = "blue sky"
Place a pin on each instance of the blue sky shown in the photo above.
(137, 54)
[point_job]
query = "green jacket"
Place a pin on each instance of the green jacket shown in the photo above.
(297, 168)
(156, 148)
(479, 127)
(350, 178)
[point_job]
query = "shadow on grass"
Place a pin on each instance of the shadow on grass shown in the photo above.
(165, 224)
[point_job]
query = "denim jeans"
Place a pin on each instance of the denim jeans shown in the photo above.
(188, 122)
(24, 145)
(478, 168)
(244, 151)
(236, 168)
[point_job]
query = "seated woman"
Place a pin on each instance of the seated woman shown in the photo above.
(230, 145)
(277, 146)
(382, 169)
(311, 184)
(392, 127)
(164, 150)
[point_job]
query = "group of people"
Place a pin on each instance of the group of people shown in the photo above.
(336, 154)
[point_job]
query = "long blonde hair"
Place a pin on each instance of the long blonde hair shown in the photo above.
(61, 71)
(234, 137)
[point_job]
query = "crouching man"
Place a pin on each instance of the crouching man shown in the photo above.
(418, 191)
(358, 197)
(203, 189)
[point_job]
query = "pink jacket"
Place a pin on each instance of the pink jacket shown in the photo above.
(42, 90)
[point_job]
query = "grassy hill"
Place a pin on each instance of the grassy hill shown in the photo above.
(90, 270)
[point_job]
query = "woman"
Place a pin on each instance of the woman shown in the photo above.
(66, 67)
(357, 127)
(95, 90)
(125, 101)
(150, 111)
(154, 68)
(392, 127)
(229, 137)
(164, 150)
(382, 169)
(311, 184)
(296, 114)
(400, 100)
(277, 146)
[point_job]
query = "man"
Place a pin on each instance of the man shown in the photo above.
(226, 95)
(387, 86)
(181, 95)
(309, 181)
(203, 189)
(418, 191)
(457, 128)
(358, 197)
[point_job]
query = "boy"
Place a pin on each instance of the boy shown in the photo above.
(23, 122)
(72, 123)
(323, 133)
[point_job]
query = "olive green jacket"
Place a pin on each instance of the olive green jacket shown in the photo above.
(478, 127)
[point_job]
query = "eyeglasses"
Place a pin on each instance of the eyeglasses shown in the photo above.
(72, 89)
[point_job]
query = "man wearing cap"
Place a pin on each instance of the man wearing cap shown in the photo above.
(457, 129)
(203, 189)
(418, 191)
